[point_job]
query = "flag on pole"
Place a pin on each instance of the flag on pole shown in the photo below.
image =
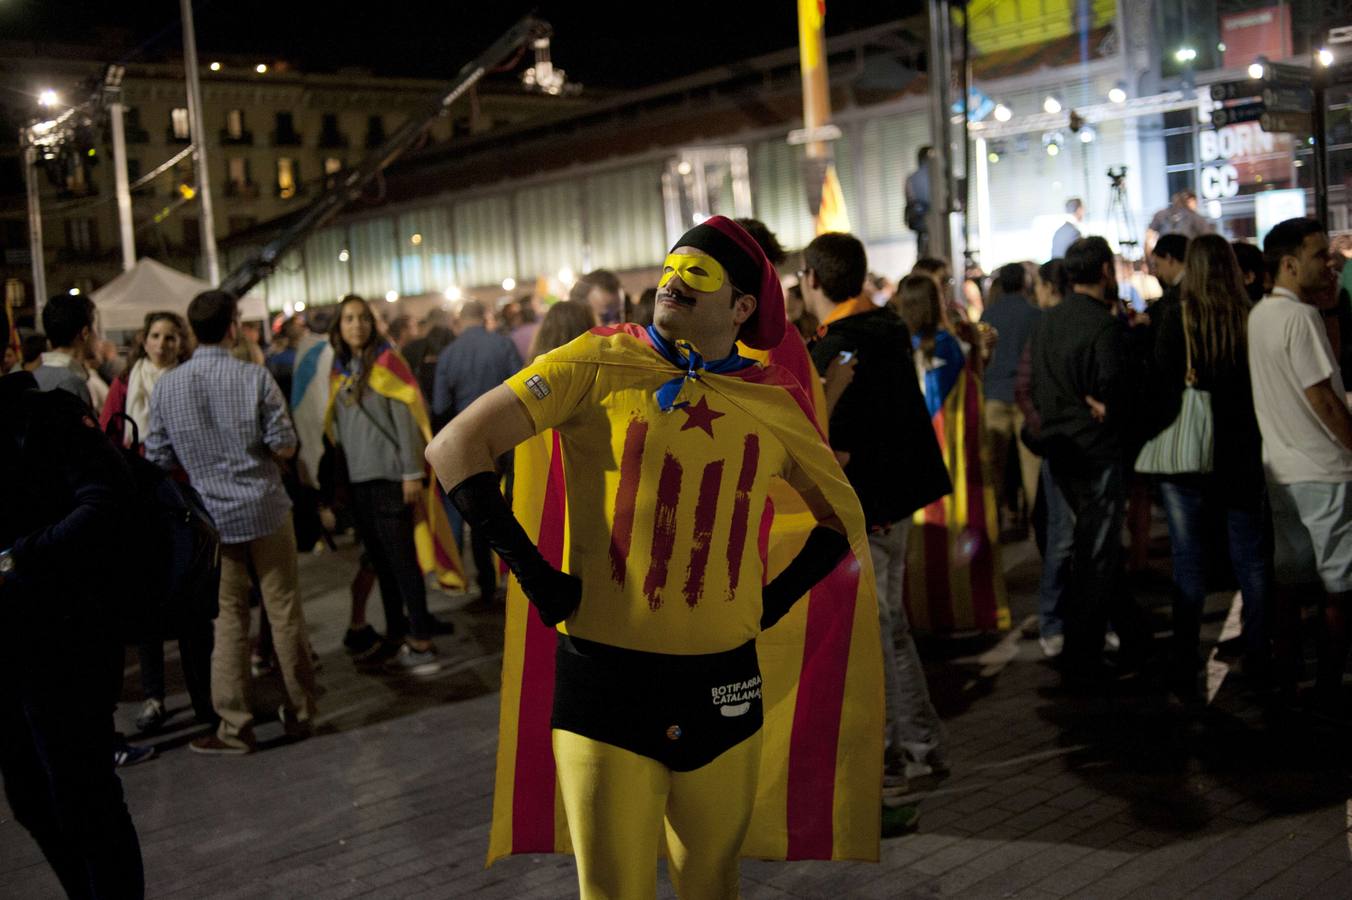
(832, 215)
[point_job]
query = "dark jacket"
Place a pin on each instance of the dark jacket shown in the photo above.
(471, 366)
(64, 516)
(422, 354)
(1079, 350)
(895, 465)
(1013, 317)
(1238, 443)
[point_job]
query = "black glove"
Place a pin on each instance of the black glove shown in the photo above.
(554, 594)
(820, 554)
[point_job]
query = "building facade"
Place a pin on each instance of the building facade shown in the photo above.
(613, 187)
(275, 136)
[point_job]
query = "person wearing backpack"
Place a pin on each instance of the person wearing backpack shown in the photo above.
(161, 345)
(57, 750)
(225, 422)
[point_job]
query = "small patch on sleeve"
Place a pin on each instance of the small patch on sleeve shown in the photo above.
(538, 387)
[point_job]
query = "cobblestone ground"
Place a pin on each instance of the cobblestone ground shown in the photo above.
(1049, 797)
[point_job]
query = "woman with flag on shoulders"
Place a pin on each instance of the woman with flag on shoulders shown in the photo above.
(954, 579)
(377, 416)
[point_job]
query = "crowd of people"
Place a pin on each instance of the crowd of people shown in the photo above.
(1059, 397)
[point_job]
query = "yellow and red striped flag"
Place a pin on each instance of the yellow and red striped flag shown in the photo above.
(832, 214)
(954, 580)
(432, 535)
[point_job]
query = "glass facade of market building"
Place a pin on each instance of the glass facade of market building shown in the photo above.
(1123, 95)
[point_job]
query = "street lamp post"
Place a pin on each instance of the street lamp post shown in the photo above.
(941, 165)
(122, 185)
(199, 139)
(30, 171)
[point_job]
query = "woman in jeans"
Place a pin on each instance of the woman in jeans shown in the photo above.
(1212, 317)
(378, 420)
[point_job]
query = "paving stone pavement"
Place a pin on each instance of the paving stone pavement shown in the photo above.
(1050, 796)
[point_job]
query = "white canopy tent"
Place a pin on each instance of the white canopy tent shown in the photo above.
(150, 286)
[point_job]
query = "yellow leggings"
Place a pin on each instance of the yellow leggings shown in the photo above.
(616, 802)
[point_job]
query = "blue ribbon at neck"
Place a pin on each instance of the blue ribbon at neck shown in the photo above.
(683, 355)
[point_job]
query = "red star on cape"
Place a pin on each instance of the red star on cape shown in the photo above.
(700, 416)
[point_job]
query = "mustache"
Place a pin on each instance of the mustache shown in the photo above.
(675, 297)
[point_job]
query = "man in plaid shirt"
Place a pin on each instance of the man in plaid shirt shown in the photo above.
(225, 422)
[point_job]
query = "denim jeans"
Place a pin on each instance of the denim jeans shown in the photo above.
(195, 640)
(1095, 495)
(913, 725)
(1186, 499)
(385, 524)
(1056, 555)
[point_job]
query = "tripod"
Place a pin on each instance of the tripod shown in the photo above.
(1120, 214)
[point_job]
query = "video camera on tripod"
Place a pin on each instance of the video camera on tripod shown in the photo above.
(1120, 214)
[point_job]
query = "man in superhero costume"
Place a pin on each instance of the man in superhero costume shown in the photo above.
(669, 442)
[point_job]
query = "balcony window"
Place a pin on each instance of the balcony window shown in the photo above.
(237, 182)
(131, 125)
(179, 129)
(288, 180)
(285, 134)
(82, 236)
(375, 131)
(234, 131)
(329, 135)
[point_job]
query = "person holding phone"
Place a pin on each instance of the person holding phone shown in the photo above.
(880, 428)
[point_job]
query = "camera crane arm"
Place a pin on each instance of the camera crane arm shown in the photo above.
(331, 202)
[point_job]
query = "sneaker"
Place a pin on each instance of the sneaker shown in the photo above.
(935, 766)
(895, 782)
(295, 729)
(360, 640)
(414, 662)
(1052, 645)
(152, 716)
(212, 745)
(899, 820)
(125, 755)
(1231, 649)
(377, 654)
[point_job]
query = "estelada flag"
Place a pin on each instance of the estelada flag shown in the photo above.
(821, 768)
(954, 579)
(432, 536)
(832, 215)
(791, 355)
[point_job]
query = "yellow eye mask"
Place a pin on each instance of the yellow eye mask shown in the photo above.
(700, 272)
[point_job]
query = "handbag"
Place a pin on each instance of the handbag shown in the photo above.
(1187, 445)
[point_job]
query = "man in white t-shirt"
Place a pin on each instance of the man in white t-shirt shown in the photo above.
(1302, 410)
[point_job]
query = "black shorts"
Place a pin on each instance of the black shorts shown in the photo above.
(683, 711)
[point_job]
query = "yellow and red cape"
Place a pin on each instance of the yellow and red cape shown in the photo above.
(821, 769)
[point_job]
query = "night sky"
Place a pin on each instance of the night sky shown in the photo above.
(641, 46)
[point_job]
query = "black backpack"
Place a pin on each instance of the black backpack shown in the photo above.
(177, 556)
